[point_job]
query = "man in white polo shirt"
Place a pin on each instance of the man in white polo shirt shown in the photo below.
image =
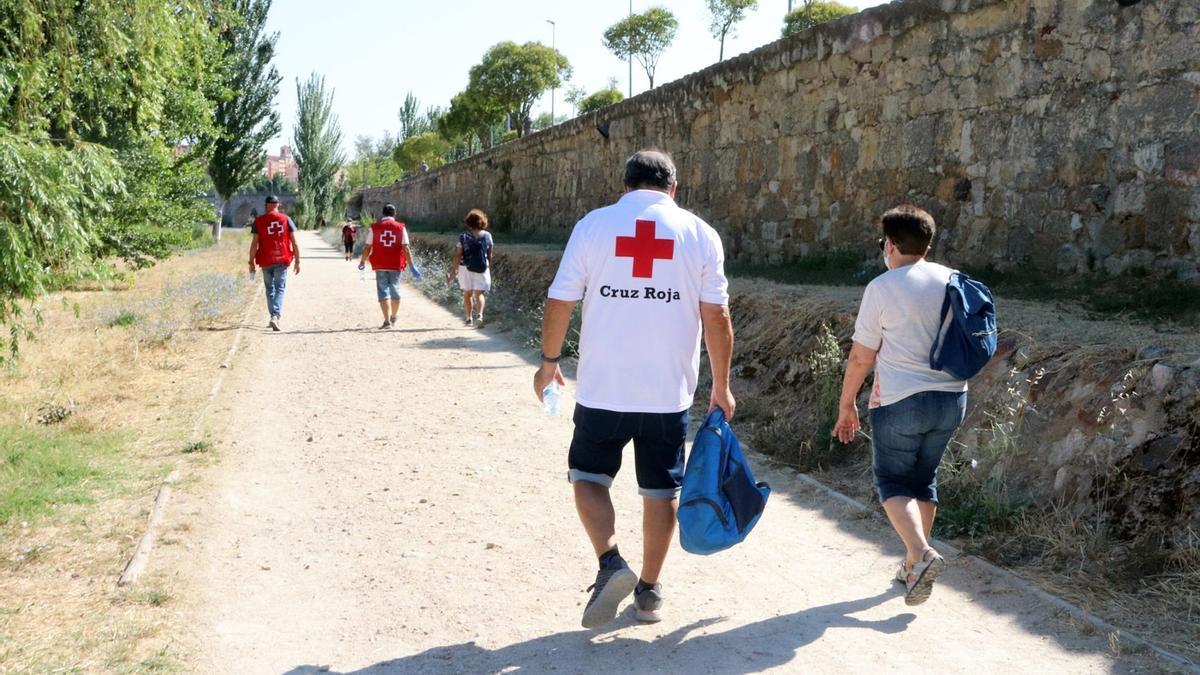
(650, 275)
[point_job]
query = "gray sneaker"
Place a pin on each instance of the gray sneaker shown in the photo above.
(648, 602)
(613, 584)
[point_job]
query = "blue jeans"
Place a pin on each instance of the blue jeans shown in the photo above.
(387, 284)
(275, 281)
(908, 440)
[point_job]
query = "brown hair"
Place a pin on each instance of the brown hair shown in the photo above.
(476, 220)
(910, 228)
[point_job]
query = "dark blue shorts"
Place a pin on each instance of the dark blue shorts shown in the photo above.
(908, 440)
(658, 443)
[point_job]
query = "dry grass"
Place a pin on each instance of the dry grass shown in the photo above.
(60, 608)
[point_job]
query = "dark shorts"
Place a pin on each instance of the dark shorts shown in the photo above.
(349, 246)
(908, 440)
(658, 443)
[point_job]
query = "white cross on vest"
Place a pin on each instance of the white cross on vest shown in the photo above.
(274, 227)
(387, 238)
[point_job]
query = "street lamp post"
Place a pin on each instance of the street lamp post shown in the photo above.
(553, 30)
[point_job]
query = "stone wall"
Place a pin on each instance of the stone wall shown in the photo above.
(1060, 136)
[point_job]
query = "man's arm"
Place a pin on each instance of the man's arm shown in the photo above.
(295, 251)
(861, 360)
(411, 260)
(253, 250)
(718, 338)
(556, 318)
(366, 255)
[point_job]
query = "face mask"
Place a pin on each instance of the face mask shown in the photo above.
(886, 263)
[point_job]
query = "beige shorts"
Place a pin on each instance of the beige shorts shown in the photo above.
(474, 281)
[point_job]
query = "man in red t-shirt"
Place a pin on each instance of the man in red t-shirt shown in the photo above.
(273, 247)
(389, 253)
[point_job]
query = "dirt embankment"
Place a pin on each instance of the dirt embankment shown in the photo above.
(1078, 464)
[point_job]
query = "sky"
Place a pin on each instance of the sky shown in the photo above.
(372, 53)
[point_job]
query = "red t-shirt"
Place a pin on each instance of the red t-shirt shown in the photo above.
(347, 234)
(274, 231)
(388, 238)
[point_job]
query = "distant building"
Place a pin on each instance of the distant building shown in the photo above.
(283, 163)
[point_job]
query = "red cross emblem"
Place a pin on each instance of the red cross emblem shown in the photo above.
(387, 238)
(645, 249)
(274, 228)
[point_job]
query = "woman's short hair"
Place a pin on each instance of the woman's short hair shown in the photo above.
(910, 228)
(476, 220)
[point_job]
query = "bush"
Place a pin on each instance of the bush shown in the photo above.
(600, 99)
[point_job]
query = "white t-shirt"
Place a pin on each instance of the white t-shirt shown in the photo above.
(900, 315)
(642, 267)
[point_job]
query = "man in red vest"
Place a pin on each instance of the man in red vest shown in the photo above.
(273, 247)
(389, 254)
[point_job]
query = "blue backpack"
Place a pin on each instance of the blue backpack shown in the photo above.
(720, 502)
(966, 340)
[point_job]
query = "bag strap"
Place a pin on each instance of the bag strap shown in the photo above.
(935, 354)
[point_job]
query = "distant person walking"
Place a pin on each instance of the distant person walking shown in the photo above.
(650, 275)
(472, 265)
(348, 240)
(389, 254)
(914, 409)
(273, 247)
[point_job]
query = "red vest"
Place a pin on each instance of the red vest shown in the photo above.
(387, 245)
(274, 239)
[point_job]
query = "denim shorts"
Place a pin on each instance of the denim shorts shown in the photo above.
(658, 444)
(387, 284)
(908, 440)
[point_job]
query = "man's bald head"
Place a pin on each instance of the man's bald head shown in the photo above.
(650, 169)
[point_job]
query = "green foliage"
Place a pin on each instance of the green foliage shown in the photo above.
(43, 468)
(813, 12)
(428, 146)
(472, 115)
(245, 112)
(277, 184)
(97, 98)
(316, 144)
(725, 16)
(511, 77)
(600, 99)
(373, 165)
(643, 37)
(826, 363)
(50, 196)
(575, 95)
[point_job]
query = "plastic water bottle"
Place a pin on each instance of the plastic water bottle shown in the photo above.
(253, 271)
(551, 399)
(362, 272)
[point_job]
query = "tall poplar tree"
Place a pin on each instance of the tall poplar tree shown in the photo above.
(246, 118)
(316, 142)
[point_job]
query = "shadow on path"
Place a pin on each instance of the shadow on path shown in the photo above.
(769, 643)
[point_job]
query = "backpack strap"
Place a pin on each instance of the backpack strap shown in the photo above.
(935, 351)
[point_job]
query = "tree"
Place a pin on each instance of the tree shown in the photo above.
(575, 95)
(412, 121)
(428, 147)
(318, 155)
(725, 16)
(246, 118)
(95, 105)
(471, 115)
(511, 78)
(813, 12)
(373, 164)
(601, 99)
(643, 37)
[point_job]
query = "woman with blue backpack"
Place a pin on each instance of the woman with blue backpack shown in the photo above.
(472, 266)
(925, 329)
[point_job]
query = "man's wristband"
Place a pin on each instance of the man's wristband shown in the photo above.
(547, 359)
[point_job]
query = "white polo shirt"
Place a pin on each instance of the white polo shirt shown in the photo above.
(642, 267)
(900, 315)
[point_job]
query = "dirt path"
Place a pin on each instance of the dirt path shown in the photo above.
(395, 501)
